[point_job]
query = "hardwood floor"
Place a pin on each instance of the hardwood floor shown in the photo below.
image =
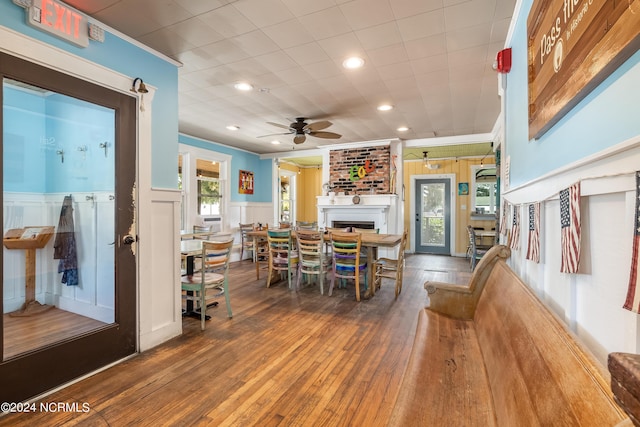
(285, 358)
(22, 334)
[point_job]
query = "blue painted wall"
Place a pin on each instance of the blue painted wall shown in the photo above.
(128, 59)
(606, 117)
(241, 160)
(38, 127)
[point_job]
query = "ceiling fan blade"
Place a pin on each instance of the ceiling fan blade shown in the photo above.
(274, 134)
(278, 125)
(326, 135)
(299, 139)
(323, 124)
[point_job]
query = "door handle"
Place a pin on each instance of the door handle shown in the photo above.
(128, 239)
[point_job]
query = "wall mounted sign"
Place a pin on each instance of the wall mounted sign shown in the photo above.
(573, 46)
(59, 20)
(245, 183)
(357, 172)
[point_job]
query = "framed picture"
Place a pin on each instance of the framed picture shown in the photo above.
(463, 189)
(245, 182)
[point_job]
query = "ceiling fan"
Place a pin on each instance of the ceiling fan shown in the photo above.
(300, 128)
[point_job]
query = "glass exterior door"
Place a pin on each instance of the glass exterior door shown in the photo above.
(433, 216)
(68, 289)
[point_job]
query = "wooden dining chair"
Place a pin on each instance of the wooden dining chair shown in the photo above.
(347, 260)
(283, 256)
(202, 229)
(247, 242)
(306, 225)
(391, 268)
(261, 254)
(475, 253)
(313, 262)
(214, 274)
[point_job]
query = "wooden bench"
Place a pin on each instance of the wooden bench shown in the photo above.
(491, 354)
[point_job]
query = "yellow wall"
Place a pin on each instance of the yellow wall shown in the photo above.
(462, 169)
(309, 185)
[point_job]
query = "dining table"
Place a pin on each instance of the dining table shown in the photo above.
(370, 241)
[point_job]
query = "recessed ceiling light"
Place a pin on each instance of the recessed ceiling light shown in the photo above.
(402, 129)
(385, 107)
(353, 62)
(233, 127)
(275, 142)
(243, 86)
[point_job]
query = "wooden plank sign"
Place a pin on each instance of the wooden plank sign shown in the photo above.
(573, 45)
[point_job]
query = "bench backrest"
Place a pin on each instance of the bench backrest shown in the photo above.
(538, 373)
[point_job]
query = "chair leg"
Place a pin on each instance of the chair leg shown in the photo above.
(333, 280)
(203, 308)
(357, 271)
(270, 273)
(227, 297)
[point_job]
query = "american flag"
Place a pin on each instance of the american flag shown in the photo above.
(633, 292)
(503, 220)
(514, 239)
(570, 228)
(533, 245)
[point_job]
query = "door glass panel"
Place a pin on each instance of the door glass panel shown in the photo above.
(433, 208)
(58, 217)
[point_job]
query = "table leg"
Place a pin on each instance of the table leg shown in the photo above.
(372, 255)
(190, 311)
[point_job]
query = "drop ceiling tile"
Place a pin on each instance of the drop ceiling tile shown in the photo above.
(377, 12)
(228, 21)
(388, 55)
(164, 40)
(294, 75)
(195, 32)
(379, 36)
(427, 65)
(132, 24)
(196, 59)
(342, 47)
(406, 8)
(307, 54)
(288, 34)
(225, 51)
(197, 7)
(499, 30)
(399, 70)
(468, 37)
(277, 61)
(423, 25)
(263, 12)
(469, 14)
(426, 46)
(323, 69)
(326, 23)
(306, 7)
(255, 43)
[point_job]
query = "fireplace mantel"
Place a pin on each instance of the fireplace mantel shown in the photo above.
(379, 208)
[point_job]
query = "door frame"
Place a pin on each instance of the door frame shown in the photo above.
(412, 207)
(73, 67)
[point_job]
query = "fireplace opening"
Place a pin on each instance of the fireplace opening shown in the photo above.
(367, 225)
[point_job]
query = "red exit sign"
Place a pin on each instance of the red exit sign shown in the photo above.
(59, 20)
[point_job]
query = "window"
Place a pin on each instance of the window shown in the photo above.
(209, 188)
(484, 190)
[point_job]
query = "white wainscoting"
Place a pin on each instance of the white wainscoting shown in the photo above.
(93, 220)
(591, 301)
